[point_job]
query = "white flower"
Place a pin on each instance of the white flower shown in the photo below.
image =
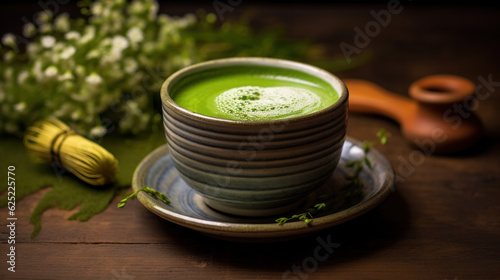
(137, 7)
(21, 77)
(130, 65)
(59, 46)
(119, 43)
(33, 50)
(110, 58)
(153, 10)
(137, 22)
(106, 42)
(66, 76)
(88, 35)
(77, 114)
(82, 96)
(37, 70)
(190, 18)
(97, 132)
(44, 16)
(29, 30)
(48, 41)
(68, 52)
(62, 23)
(9, 56)
(72, 35)
(163, 19)
(64, 110)
(135, 35)
(106, 12)
(93, 79)
(45, 28)
(9, 40)
(20, 107)
(80, 71)
(87, 65)
(51, 71)
(96, 9)
(93, 54)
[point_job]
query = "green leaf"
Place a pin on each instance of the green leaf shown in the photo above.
(366, 146)
(66, 191)
(305, 217)
(368, 162)
(383, 136)
(147, 190)
(320, 206)
(281, 221)
(354, 187)
(351, 163)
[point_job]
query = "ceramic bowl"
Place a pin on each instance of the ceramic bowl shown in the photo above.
(255, 168)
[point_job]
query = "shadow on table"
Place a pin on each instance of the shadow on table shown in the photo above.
(378, 229)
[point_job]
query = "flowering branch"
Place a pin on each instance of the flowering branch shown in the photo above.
(103, 71)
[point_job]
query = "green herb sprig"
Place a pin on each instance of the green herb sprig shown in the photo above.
(352, 189)
(355, 185)
(147, 190)
(306, 216)
(383, 136)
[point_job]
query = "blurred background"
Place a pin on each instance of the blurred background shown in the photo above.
(423, 38)
(441, 223)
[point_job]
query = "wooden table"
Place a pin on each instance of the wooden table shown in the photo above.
(443, 221)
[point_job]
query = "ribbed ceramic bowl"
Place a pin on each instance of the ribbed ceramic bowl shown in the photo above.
(255, 168)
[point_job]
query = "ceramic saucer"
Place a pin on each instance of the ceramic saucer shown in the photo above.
(188, 209)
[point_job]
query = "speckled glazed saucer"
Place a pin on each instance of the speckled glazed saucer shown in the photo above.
(188, 209)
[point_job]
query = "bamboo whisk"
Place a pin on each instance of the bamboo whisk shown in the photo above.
(51, 141)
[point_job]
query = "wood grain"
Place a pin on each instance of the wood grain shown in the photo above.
(442, 222)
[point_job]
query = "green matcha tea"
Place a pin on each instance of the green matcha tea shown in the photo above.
(252, 93)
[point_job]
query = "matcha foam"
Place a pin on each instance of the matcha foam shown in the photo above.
(254, 102)
(252, 92)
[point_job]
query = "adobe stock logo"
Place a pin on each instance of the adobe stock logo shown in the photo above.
(222, 7)
(310, 264)
(362, 38)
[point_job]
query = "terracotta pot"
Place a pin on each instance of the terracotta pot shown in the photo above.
(436, 119)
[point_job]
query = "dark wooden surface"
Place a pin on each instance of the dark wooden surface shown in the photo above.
(443, 221)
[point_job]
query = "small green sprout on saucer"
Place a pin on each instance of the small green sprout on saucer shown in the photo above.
(147, 190)
(383, 136)
(306, 216)
(353, 188)
(355, 185)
